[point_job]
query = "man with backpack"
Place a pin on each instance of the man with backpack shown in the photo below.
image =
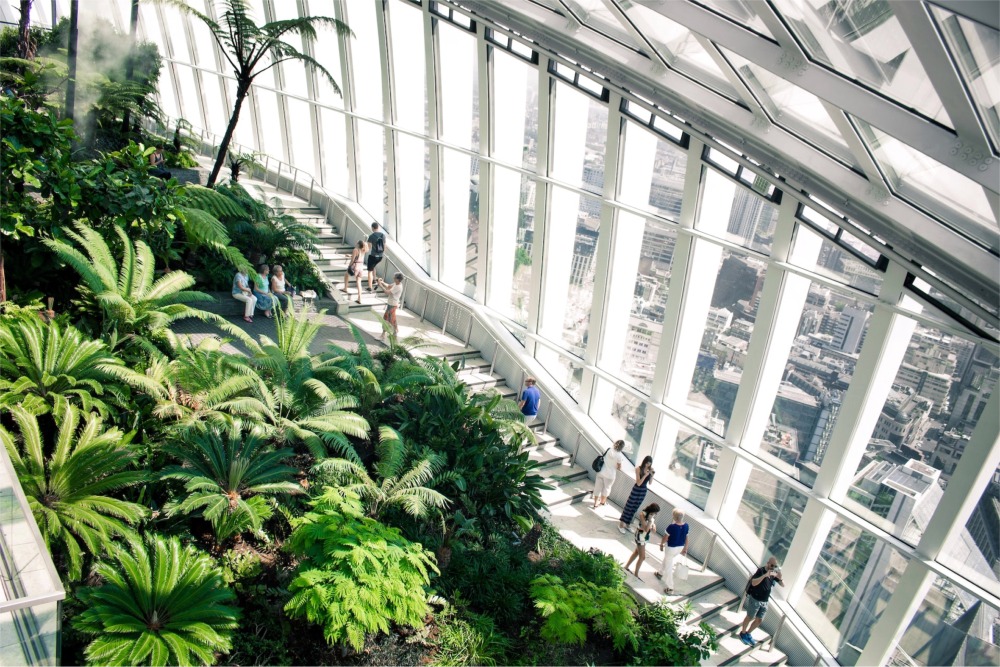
(376, 243)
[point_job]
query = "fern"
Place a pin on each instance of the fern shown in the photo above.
(568, 609)
(358, 576)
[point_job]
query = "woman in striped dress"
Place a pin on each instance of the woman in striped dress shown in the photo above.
(643, 474)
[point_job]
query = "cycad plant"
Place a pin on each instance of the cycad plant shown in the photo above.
(396, 485)
(229, 475)
(161, 604)
(136, 307)
(44, 364)
(69, 483)
(302, 408)
(251, 49)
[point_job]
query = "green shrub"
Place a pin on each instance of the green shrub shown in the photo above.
(470, 639)
(358, 575)
(493, 579)
(567, 609)
(662, 644)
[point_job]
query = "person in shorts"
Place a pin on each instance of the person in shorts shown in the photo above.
(530, 398)
(758, 593)
(376, 249)
(394, 294)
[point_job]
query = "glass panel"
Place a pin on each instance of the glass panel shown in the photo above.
(189, 96)
(951, 627)
(515, 104)
(751, 218)
(741, 12)
(472, 241)
(940, 390)
(688, 464)
(459, 92)
(302, 142)
(580, 281)
(334, 155)
(863, 40)
(626, 417)
(976, 49)
(293, 73)
(409, 66)
(371, 168)
(837, 263)
(667, 187)
(326, 51)
(649, 301)
(792, 107)
(849, 588)
(365, 62)
(929, 183)
(513, 242)
(976, 551)
(411, 196)
(768, 517)
(567, 371)
(211, 91)
(269, 122)
(681, 49)
(597, 15)
(567, 158)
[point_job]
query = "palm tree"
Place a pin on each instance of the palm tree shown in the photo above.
(67, 491)
(136, 309)
(251, 49)
(229, 474)
(44, 365)
(398, 487)
(161, 604)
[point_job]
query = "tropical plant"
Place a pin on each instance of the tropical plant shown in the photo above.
(567, 609)
(229, 476)
(243, 161)
(67, 482)
(44, 364)
(261, 230)
(161, 603)
(663, 643)
(397, 486)
(251, 49)
(470, 639)
(358, 576)
(135, 309)
(301, 407)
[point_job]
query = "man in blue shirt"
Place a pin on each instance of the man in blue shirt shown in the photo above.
(530, 398)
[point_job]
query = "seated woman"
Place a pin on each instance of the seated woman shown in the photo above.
(282, 290)
(262, 290)
(157, 164)
(242, 292)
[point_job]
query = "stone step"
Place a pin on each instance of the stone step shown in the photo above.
(762, 658)
(478, 381)
(469, 364)
(545, 439)
(711, 602)
(726, 624)
(564, 472)
(568, 493)
(548, 456)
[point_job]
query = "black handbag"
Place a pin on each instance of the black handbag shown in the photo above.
(598, 464)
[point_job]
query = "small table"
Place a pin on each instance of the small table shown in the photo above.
(308, 299)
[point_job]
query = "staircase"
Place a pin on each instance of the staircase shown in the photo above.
(569, 501)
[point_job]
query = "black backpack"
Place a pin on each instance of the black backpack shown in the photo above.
(379, 246)
(598, 464)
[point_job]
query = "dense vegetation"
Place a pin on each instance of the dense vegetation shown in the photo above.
(292, 504)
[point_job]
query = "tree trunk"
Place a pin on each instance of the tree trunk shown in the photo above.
(25, 46)
(74, 30)
(133, 28)
(3, 276)
(242, 88)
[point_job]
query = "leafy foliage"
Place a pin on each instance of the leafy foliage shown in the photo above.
(46, 364)
(358, 576)
(470, 639)
(161, 604)
(663, 644)
(69, 482)
(567, 609)
(228, 476)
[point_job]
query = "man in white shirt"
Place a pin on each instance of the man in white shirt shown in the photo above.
(394, 294)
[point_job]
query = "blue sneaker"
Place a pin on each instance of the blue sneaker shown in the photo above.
(750, 640)
(743, 638)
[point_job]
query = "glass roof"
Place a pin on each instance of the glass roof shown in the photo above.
(912, 123)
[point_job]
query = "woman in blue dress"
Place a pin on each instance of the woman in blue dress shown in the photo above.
(643, 474)
(262, 290)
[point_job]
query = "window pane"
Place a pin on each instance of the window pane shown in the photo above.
(768, 517)
(849, 588)
(839, 264)
(941, 389)
(751, 219)
(459, 100)
(627, 415)
(300, 118)
(365, 63)
(515, 105)
(667, 186)
(688, 464)
(326, 50)
(472, 241)
(951, 627)
(334, 132)
(409, 67)
(725, 338)
(269, 122)
(580, 132)
(566, 370)
(411, 194)
(579, 281)
(513, 240)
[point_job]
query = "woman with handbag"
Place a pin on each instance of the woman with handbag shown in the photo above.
(611, 463)
(354, 267)
(643, 474)
(647, 526)
(676, 542)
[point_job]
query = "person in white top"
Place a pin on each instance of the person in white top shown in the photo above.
(394, 294)
(280, 287)
(606, 478)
